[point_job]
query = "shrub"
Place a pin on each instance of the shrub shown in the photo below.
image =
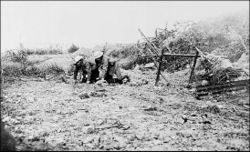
(42, 51)
(34, 71)
(12, 70)
(73, 48)
(127, 55)
(20, 56)
(16, 70)
(53, 69)
(71, 69)
(227, 36)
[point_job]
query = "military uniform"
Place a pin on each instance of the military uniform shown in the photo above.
(101, 67)
(91, 69)
(109, 68)
(80, 65)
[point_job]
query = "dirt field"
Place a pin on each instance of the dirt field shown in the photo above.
(57, 115)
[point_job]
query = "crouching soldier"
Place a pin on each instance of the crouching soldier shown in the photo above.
(92, 70)
(80, 65)
(112, 68)
(108, 68)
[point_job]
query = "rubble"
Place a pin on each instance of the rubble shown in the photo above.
(217, 70)
(98, 94)
(149, 66)
(84, 96)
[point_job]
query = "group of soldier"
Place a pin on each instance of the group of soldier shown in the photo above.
(99, 68)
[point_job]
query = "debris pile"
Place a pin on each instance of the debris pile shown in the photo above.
(217, 70)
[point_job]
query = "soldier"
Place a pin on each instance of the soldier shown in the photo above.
(88, 68)
(80, 66)
(92, 70)
(108, 68)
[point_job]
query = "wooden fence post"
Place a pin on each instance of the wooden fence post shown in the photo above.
(159, 68)
(192, 70)
(155, 52)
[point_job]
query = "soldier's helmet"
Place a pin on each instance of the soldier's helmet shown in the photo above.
(78, 58)
(98, 54)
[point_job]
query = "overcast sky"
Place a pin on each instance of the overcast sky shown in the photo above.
(40, 24)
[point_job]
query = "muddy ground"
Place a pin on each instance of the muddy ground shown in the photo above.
(59, 115)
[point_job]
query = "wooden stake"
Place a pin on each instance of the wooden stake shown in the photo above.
(192, 70)
(159, 69)
(153, 47)
(156, 65)
(152, 53)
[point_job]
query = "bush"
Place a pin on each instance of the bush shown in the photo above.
(16, 70)
(227, 36)
(53, 69)
(20, 56)
(12, 70)
(127, 55)
(42, 51)
(73, 48)
(34, 71)
(71, 70)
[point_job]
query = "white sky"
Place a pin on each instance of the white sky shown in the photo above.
(40, 24)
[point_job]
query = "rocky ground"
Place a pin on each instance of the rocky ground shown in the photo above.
(57, 114)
